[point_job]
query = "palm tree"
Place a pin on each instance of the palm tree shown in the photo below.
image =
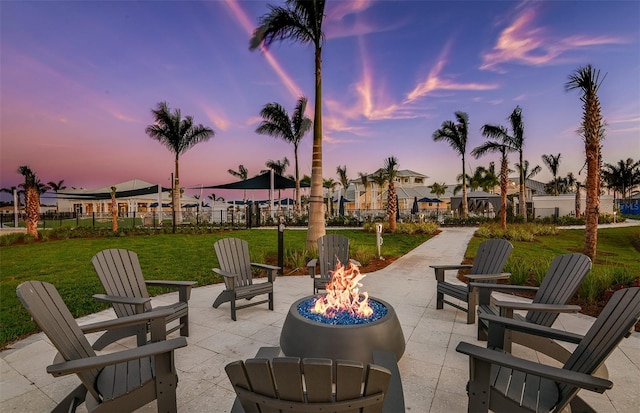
(114, 210)
(456, 134)
(364, 178)
(379, 179)
(344, 180)
(438, 189)
(179, 135)
(278, 167)
(587, 80)
(329, 184)
(553, 163)
(301, 22)
(391, 171)
(31, 199)
(623, 176)
(499, 142)
(59, 186)
(526, 174)
(243, 174)
(276, 123)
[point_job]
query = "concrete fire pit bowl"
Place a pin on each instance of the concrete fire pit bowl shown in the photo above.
(302, 337)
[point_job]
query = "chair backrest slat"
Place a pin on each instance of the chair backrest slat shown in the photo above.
(331, 249)
(45, 305)
(617, 318)
(491, 257)
(562, 280)
(233, 257)
(121, 275)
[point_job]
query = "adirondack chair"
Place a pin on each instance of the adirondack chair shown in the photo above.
(308, 385)
(487, 268)
(126, 290)
(502, 382)
(121, 381)
(562, 280)
(235, 268)
(331, 249)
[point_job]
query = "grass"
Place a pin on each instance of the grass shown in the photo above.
(67, 264)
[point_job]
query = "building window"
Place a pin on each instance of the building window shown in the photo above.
(418, 180)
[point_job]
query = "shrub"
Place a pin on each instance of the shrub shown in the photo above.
(362, 255)
(595, 283)
(539, 269)
(295, 258)
(519, 271)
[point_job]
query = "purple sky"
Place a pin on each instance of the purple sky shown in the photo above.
(79, 79)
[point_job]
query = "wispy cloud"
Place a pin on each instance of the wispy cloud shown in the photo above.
(524, 43)
(217, 117)
(436, 81)
(336, 26)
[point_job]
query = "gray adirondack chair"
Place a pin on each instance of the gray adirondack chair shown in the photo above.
(308, 385)
(126, 290)
(562, 280)
(331, 249)
(235, 267)
(486, 268)
(120, 381)
(502, 382)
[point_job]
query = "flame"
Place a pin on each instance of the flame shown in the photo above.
(343, 294)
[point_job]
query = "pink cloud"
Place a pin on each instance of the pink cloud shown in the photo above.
(524, 43)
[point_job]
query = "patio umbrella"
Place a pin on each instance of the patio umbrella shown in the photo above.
(414, 208)
(341, 206)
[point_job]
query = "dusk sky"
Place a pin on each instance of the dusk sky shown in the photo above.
(78, 80)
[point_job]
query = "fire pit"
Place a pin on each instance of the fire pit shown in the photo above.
(343, 324)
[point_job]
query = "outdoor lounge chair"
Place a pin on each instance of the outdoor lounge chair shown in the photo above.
(331, 249)
(126, 290)
(562, 280)
(308, 385)
(236, 269)
(504, 383)
(115, 382)
(487, 268)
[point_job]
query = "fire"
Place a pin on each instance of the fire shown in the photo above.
(343, 294)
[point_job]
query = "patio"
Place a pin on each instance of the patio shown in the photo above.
(434, 375)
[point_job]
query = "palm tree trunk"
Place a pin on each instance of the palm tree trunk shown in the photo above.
(393, 207)
(578, 200)
(175, 196)
(32, 211)
(522, 200)
(316, 214)
(465, 204)
(592, 150)
(298, 197)
(504, 179)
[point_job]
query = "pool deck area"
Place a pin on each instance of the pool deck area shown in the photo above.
(433, 374)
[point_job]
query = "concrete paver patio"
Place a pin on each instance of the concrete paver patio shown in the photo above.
(433, 374)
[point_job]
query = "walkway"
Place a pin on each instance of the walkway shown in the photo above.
(434, 375)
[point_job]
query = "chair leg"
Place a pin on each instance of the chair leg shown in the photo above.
(233, 310)
(472, 302)
(72, 400)
(184, 322)
(271, 301)
(439, 301)
(166, 383)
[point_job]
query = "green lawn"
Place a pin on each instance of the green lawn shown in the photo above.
(67, 264)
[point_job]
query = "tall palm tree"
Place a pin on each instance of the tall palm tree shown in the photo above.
(243, 174)
(499, 142)
(57, 186)
(301, 22)
(114, 210)
(553, 163)
(587, 81)
(517, 141)
(456, 135)
(276, 123)
(379, 178)
(31, 200)
(526, 174)
(179, 135)
(391, 171)
(364, 179)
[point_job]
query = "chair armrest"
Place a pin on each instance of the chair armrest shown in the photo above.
(355, 262)
(311, 266)
(505, 287)
(500, 276)
(447, 267)
(132, 320)
(550, 308)
(497, 323)
(229, 278)
(184, 287)
(116, 299)
(574, 378)
(96, 362)
(269, 268)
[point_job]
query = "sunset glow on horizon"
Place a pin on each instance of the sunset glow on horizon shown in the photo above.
(78, 81)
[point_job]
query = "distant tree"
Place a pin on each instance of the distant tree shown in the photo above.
(278, 167)
(623, 176)
(215, 198)
(527, 174)
(344, 180)
(587, 81)
(329, 184)
(553, 163)
(438, 189)
(391, 172)
(178, 135)
(364, 179)
(31, 200)
(57, 186)
(243, 174)
(276, 123)
(380, 179)
(301, 22)
(457, 135)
